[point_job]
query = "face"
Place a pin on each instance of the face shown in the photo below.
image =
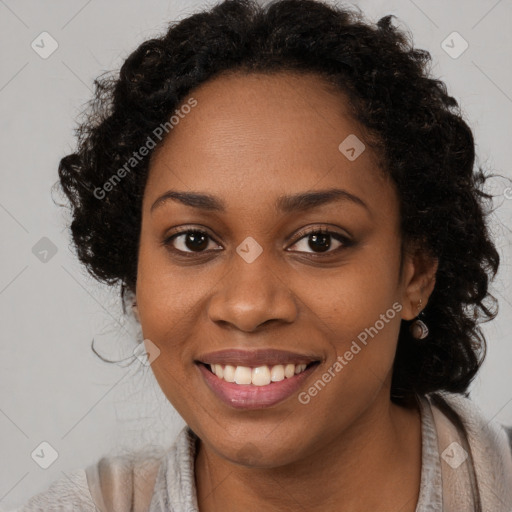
(256, 278)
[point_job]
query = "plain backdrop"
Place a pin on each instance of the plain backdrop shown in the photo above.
(53, 389)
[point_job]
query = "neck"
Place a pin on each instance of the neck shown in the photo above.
(373, 465)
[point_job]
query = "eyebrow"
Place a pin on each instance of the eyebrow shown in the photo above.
(285, 204)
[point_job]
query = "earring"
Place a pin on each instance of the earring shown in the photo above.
(418, 328)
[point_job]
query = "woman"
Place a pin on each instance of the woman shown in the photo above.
(291, 204)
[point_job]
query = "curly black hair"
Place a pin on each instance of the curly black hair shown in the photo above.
(413, 124)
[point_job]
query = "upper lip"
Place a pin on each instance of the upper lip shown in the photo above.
(258, 357)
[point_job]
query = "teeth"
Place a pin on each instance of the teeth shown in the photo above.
(259, 376)
(243, 375)
(217, 369)
(277, 373)
(299, 368)
(229, 373)
(289, 370)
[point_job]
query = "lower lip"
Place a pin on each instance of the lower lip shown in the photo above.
(249, 396)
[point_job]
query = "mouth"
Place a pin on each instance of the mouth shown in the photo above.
(255, 379)
(257, 376)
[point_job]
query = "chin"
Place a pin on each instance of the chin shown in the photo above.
(261, 452)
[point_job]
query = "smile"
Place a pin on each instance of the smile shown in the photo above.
(255, 379)
(259, 376)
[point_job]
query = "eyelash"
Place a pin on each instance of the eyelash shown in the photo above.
(346, 242)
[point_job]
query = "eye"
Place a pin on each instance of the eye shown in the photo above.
(320, 241)
(189, 241)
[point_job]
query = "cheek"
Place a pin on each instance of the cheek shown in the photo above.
(172, 305)
(167, 311)
(169, 298)
(166, 306)
(354, 295)
(357, 308)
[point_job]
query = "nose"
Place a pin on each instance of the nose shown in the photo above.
(252, 294)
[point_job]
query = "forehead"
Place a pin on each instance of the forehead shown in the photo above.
(252, 137)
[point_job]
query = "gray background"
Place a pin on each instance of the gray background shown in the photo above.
(52, 387)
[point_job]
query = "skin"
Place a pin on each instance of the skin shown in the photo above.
(250, 139)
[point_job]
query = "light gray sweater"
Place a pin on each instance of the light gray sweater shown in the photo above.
(455, 462)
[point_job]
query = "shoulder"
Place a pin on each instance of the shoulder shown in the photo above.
(138, 480)
(130, 481)
(70, 492)
(116, 482)
(459, 407)
(125, 482)
(473, 448)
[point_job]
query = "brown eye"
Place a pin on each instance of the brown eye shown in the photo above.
(189, 241)
(320, 241)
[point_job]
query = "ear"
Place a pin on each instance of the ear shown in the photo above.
(418, 280)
